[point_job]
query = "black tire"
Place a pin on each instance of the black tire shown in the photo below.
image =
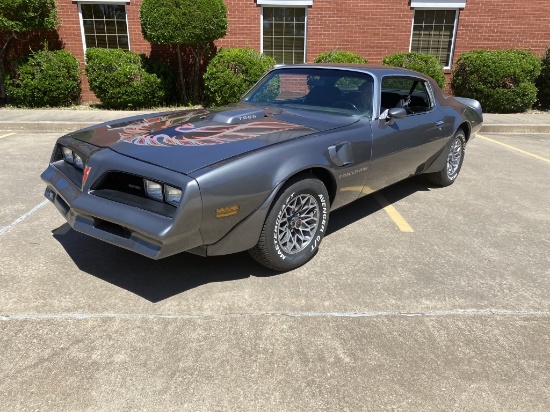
(294, 227)
(455, 157)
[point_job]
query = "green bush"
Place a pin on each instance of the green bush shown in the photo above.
(503, 81)
(543, 81)
(46, 79)
(120, 80)
(232, 72)
(167, 77)
(339, 56)
(420, 62)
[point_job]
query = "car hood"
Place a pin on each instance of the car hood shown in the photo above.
(185, 141)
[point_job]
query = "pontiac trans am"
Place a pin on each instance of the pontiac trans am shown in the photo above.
(263, 174)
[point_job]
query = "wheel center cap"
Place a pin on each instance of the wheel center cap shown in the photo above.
(296, 222)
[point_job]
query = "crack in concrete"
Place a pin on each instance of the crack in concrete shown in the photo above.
(83, 316)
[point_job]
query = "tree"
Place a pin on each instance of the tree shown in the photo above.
(543, 81)
(193, 23)
(22, 16)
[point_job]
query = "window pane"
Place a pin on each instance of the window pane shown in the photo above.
(278, 29)
(288, 58)
(110, 27)
(278, 43)
(90, 41)
(278, 56)
(100, 27)
(268, 13)
(87, 11)
(123, 42)
(279, 13)
(97, 11)
(121, 26)
(88, 26)
(101, 41)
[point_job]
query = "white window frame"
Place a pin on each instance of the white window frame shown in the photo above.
(285, 3)
(438, 6)
(115, 2)
(274, 3)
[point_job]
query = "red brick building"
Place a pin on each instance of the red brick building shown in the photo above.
(296, 31)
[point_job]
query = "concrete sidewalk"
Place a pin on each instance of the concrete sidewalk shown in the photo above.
(67, 120)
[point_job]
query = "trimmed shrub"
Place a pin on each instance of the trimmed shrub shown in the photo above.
(420, 62)
(232, 72)
(194, 24)
(46, 79)
(543, 81)
(339, 56)
(119, 79)
(166, 74)
(503, 81)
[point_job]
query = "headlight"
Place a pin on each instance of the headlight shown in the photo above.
(67, 154)
(71, 157)
(153, 190)
(162, 192)
(172, 195)
(78, 161)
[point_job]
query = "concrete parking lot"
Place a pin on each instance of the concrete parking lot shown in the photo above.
(451, 315)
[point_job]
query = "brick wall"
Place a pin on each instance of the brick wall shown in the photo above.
(243, 28)
(504, 24)
(370, 28)
(352, 25)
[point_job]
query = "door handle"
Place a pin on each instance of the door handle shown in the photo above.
(341, 154)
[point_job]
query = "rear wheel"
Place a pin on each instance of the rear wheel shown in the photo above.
(295, 226)
(455, 157)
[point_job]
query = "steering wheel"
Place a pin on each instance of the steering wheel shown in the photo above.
(344, 104)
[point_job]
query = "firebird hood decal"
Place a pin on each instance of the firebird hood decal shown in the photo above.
(186, 141)
(191, 135)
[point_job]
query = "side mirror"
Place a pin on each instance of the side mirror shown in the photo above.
(395, 113)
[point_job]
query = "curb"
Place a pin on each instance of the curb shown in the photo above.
(45, 126)
(515, 128)
(66, 127)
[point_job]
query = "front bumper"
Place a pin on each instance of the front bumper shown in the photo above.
(129, 227)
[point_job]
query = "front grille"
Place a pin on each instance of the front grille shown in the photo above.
(121, 182)
(129, 189)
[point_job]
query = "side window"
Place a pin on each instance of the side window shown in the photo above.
(405, 92)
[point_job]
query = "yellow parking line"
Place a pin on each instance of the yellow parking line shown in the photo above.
(6, 135)
(393, 213)
(516, 149)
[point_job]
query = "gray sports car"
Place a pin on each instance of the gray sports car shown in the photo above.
(263, 174)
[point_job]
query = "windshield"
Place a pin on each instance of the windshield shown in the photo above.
(336, 91)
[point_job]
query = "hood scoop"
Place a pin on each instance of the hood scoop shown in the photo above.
(238, 116)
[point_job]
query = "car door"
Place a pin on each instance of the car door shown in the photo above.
(402, 147)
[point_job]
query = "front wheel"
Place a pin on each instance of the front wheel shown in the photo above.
(295, 226)
(455, 157)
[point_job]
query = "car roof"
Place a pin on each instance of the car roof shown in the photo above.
(377, 70)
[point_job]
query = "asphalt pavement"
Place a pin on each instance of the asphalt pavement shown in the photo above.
(451, 316)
